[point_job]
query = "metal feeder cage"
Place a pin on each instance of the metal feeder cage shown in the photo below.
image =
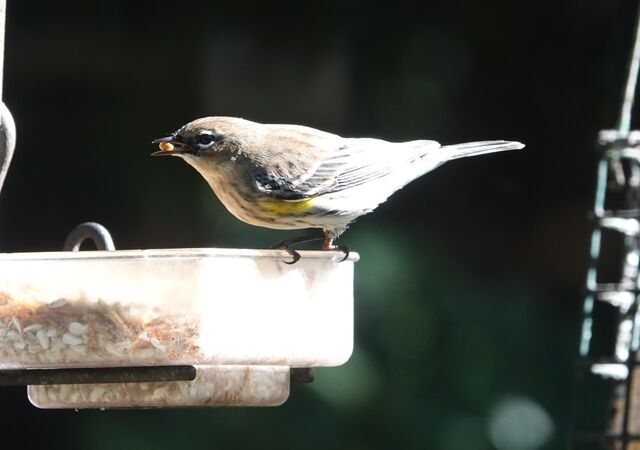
(606, 413)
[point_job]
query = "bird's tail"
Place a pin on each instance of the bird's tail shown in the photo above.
(480, 148)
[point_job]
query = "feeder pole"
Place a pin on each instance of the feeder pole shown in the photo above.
(624, 121)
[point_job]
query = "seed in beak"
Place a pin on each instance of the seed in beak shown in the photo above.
(166, 146)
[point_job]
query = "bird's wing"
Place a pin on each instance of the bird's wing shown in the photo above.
(361, 161)
(304, 162)
(289, 157)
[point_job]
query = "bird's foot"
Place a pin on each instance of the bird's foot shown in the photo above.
(328, 245)
(294, 254)
(344, 249)
(287, 243)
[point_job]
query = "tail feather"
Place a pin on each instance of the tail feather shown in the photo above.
(480, 148)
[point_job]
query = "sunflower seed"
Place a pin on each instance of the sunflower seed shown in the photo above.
(16, 323)
(32, 327)
(71, 339)
(43, 339)
(57, 303)
(78, 328)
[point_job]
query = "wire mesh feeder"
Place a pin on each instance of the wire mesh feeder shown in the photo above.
(607, 386)
(610, 336)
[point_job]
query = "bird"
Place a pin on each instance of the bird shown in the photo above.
(296, 177)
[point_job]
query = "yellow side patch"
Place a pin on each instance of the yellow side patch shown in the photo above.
(282, 208)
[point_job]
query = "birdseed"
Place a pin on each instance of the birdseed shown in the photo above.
(81, 333)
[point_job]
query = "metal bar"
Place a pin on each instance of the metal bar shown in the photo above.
(620, 213)
(91, 375)
(631, 362)
(624, 121)
(586, 362)
(603, 170)
(302, 374)
(608, 287)
(95, 375)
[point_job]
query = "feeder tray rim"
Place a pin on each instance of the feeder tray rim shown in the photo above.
(178, 253)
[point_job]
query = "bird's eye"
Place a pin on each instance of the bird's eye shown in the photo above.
(205, 139)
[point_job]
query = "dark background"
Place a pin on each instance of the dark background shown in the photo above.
(469, 289)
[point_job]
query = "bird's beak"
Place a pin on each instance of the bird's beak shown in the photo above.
(169, 146)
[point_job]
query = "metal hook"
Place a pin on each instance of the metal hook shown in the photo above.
(7, 125)
(7, 141)
(89, 230)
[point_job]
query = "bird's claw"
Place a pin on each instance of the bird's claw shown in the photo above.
(294, 254)
(344, 249)
(284, 245)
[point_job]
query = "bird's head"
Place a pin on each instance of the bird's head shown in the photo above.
(205, 139)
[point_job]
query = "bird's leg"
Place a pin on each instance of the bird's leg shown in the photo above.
(327, 244)
(287, 243)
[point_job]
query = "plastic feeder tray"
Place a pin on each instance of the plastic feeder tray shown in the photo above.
(241, 317)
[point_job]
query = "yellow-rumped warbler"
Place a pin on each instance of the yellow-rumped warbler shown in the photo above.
(293, 177)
